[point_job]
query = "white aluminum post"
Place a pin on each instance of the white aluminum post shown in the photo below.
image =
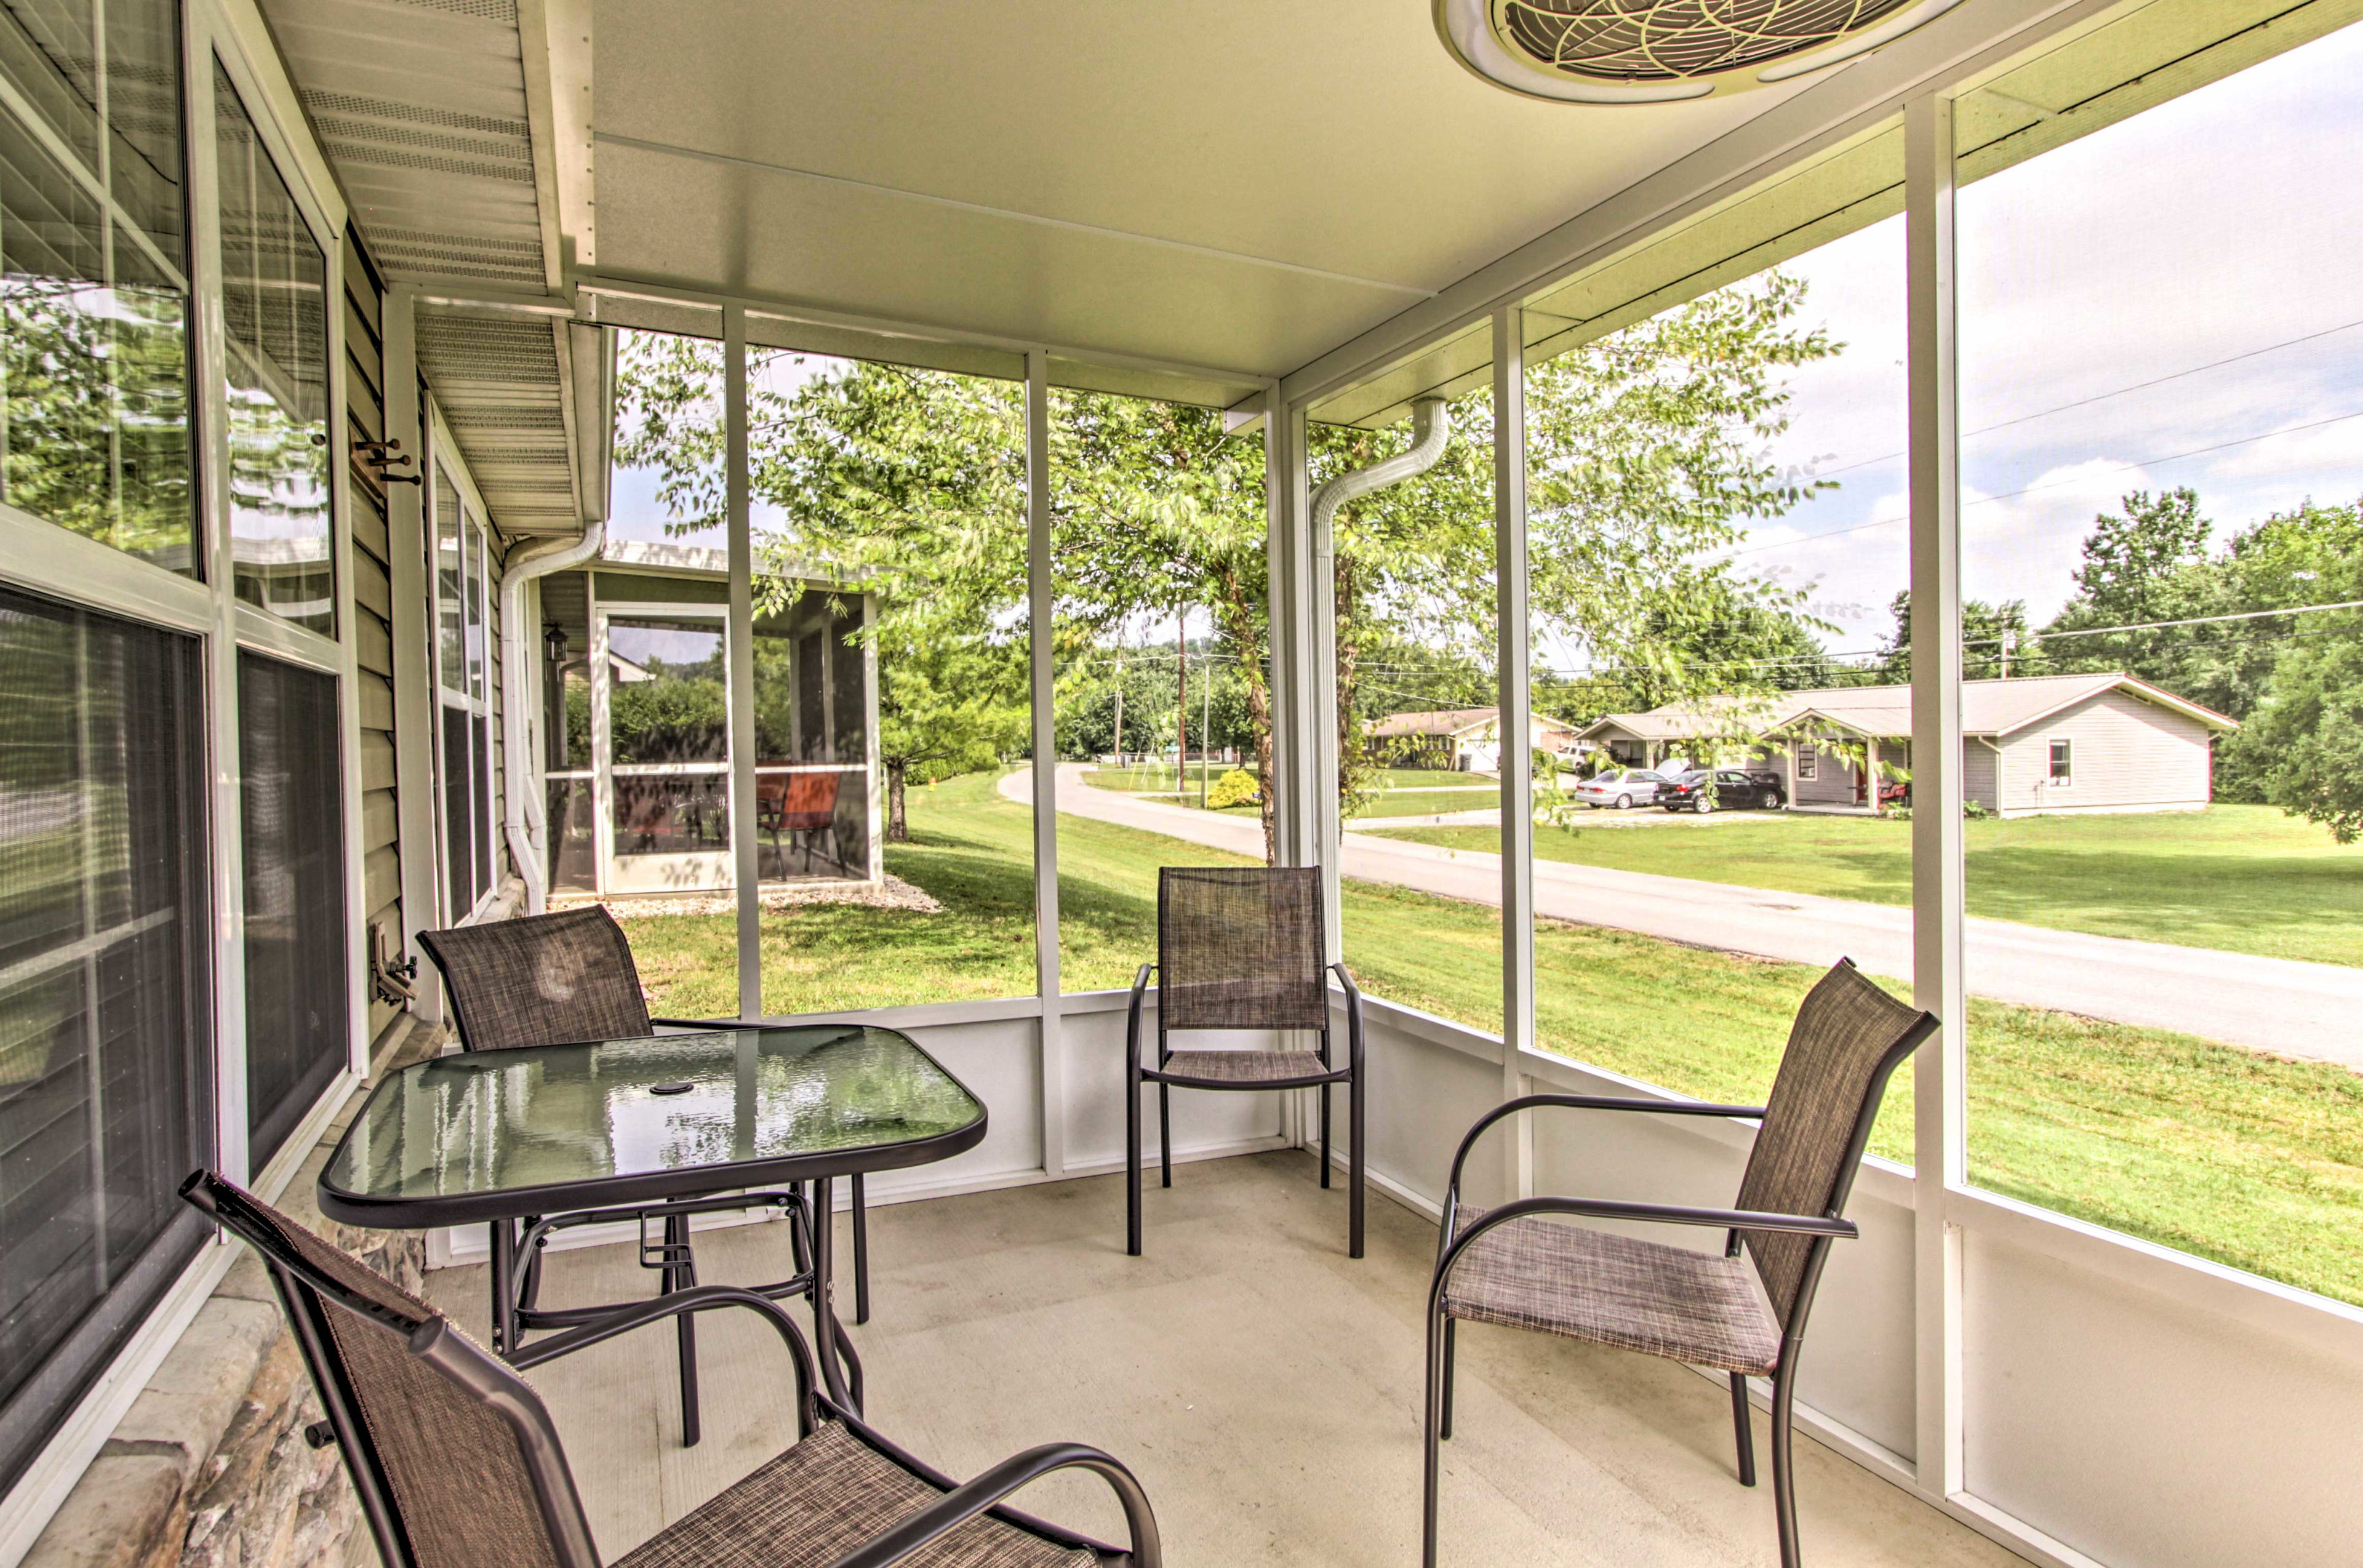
(1288, 618)
(1517, 794)
(740, 665)
(410, 587)
(1039, 643)
(1937, 868)
(1323, 824)
(1288, 561)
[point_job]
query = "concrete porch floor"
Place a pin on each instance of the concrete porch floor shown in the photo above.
(1264, 1387)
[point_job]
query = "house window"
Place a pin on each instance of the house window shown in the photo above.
(463, 698)
(93, 279)
(1808, 762)
(290, 809)
(105, 1036)
(2063, 763)
(275, 370)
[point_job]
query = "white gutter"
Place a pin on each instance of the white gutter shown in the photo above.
(525, 816)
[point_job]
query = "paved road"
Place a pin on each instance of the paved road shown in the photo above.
(2296, 1009)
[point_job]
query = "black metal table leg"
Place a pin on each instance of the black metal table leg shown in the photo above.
(861, 1252)
(503, 1280)
(682, 1275)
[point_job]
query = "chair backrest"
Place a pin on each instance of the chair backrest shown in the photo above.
(455, 1458)
(811, 800)
(540, 980)
(1848, 1037)
(1240, 947)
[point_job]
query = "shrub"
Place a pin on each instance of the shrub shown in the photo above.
(1237, 787)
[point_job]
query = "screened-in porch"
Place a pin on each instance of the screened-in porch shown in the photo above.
(839, 504)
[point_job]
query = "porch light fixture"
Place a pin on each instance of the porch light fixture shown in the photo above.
(1662, 51)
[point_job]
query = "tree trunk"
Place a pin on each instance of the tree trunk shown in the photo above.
(898, 827)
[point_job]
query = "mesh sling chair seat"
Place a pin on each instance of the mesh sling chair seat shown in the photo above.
(1520, 1265)
(566, 976)
(458, 1464)
(1241, 947)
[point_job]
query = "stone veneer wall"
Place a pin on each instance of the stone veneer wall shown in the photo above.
(210, 1468)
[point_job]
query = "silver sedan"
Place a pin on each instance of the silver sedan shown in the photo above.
(1622, 788)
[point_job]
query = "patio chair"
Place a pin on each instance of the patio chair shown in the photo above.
(1241, 947)
(458, 1464)
(569, 975)
(1514, 1267)
(799, 805)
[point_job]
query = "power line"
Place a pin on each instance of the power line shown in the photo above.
(2119, 392)
(2029, 490)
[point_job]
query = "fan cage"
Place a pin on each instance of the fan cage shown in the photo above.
(1676, 40)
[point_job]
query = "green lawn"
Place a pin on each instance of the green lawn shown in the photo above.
(2239, 878)
(2255, 1162)
(1409, 791)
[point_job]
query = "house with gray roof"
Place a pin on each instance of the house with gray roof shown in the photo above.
(2044, 745)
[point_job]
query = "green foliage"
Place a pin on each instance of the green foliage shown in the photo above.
(2307, 738)
(97, 413)
(1237, 787)
(1994, 638)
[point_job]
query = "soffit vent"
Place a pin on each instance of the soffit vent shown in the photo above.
(1652, 51)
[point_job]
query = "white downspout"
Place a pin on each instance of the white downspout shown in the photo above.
(527, 824)
(1431, 427)
(594, 363)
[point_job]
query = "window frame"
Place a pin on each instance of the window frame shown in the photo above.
(472, 697)
(2060, 756)
(48, 559)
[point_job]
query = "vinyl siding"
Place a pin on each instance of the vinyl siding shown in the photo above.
(373, 610)
(2129, 755)
(1980, 770)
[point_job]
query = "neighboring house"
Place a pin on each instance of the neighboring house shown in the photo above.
(1463, 740)
(2051, 744)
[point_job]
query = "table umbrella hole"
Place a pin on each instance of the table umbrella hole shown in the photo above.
(674, 1088)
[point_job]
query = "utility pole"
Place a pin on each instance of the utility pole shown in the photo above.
(1205, 720)
(1119, 708)
(1182, 706)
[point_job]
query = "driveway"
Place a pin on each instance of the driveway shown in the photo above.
(2265, 1004)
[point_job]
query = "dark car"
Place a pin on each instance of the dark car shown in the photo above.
(1705, 790)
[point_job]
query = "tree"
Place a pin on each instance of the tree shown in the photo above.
(2307, 738)
(1155, 509)
(1645, 460)
(909, 481)
(1995, 642)
(1644, 448)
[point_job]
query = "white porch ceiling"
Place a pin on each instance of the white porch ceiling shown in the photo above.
(1238, 184)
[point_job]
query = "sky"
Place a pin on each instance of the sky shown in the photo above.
(2103, 285)
(2177, 299)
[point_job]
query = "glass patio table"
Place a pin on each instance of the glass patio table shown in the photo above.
(496, 1137)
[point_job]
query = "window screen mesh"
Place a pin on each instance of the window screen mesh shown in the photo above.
(104, 1021)
(298, 1031)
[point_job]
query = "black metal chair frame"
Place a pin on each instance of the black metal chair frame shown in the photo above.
(1136, 1075)
(305, 1294)
(1824, 1228)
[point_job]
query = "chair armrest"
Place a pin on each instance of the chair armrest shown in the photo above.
(1655, 1213)
(1132, 1017)
(704, 1024)
(698, 1298)
(1353, 1016)
(965, 1502)
(1579, 1102)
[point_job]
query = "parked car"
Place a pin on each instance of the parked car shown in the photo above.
(1622, 788)
(1703, 791)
